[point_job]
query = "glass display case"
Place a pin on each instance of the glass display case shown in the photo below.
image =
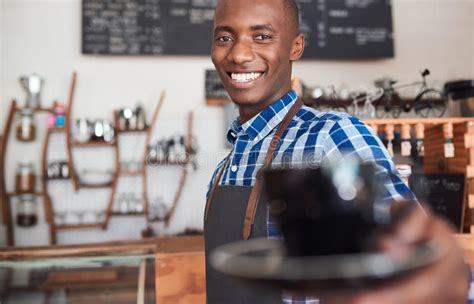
(114, 272)
(121, 272)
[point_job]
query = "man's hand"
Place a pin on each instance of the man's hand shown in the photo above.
(445, 281)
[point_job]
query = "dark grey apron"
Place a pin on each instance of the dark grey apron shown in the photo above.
(236, 215)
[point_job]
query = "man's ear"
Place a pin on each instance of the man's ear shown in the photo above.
(297, 47)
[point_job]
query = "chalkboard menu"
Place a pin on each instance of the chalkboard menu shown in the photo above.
(445, 193)
(344, 29)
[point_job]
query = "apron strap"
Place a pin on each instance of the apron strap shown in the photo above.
(214, 186)
(257, 188)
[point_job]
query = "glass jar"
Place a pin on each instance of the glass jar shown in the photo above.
(26, 128)
(27, 211)
(25, 178)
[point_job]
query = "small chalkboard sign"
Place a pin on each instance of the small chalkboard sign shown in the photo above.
(215, 91)
(445, 193)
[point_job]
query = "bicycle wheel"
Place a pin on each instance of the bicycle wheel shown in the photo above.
(430, 103)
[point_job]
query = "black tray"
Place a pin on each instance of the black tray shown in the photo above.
(263, 262)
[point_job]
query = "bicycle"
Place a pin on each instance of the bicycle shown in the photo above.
(367, 110)
(427, 102)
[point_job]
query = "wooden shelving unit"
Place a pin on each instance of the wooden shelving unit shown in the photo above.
(184, 172)
(435, 160)
(141, 173)
(74, 179)
(462, 162)
(6, 195)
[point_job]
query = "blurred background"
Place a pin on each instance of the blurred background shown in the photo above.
(125, 54)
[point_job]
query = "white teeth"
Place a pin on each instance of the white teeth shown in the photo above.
(245, 77)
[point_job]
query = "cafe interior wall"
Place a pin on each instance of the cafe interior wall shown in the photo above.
(43, 36)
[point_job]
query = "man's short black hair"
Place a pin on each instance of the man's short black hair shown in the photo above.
(293, 12)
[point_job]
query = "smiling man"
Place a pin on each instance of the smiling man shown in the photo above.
(254, 45)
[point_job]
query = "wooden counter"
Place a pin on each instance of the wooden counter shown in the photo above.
(180, 271)
(145, 246)
(179, 263)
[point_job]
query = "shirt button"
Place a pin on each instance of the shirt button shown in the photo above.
(233, 168)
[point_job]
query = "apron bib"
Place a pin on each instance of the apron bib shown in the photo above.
(233, 213)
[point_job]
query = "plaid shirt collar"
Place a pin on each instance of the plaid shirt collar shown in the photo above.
(263, 123)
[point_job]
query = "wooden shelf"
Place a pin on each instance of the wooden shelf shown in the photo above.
(12, 194)
(98, 143)
(130, 173)
(57, 179)
(35, 110)
(127, 214)
(133, 131)
(56, 129)
(94, 186)
(79, 226)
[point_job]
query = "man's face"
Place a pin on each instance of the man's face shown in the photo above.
(253, 47)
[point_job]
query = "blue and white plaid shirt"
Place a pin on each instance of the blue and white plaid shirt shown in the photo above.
(320, 136)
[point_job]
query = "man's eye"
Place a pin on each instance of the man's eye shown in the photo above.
(263, 37)
(224, 39)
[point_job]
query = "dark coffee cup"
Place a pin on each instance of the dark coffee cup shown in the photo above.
(328, 210)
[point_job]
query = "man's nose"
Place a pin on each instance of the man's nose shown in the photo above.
(241, 52)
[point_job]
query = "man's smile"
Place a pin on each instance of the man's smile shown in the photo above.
(245, 77)
(244, 80)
